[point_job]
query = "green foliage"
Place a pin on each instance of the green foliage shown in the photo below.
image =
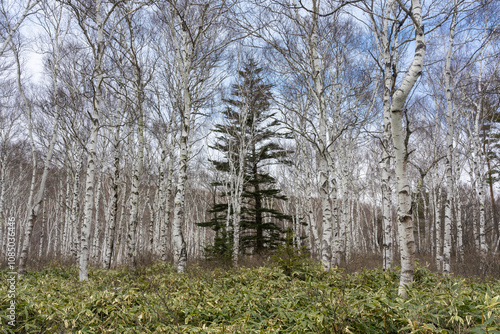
(293, 260)
(247, 140)
(257, 300)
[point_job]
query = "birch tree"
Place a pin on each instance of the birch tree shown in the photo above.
(92, 18)
(405, 220)
(133, 44)
(449, 142)
(301, 39)
(197, 36)
(387, 40)
(35, 202)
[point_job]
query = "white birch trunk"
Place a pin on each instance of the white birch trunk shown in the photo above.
(449, 146)
(44, 226)
(165, 200)
(66, 234)
(324, 177)
(138, 84)
(134, 191)
(97, 228)
(437, 223)
(460, 244)
(113, 213)
(34, 206)
(405, 228)
(92, 145)
(75, 219)
(238, 185)
(390, 58)
(179, 245)
(89, 200)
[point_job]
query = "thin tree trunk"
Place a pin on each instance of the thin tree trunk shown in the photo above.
(405, 228)
(34, 206)
(110, 240)
(437, 223)
(89, 199)
(449, 146)
(44, 226)
(92, 145)
(97, 228)
(134, 200)
(75, 219)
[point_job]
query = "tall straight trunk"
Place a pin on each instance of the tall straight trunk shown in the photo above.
(180, 252)
(426, 229)
(437, 223)
(120, 245)
(344, 231)
(399, 139)
(139, 91)
(324, 175)
(44, 226)
(417, 224)
(478, 173)
(237, 187)
(314, 237)
(89, 200)
(66, 234)
(449, 146)
(134, 199)
(390, 58)
(326, 239)
(97, 228)
(92, 144)
(179, 245)
(337, 248)
(165, 202)
(387, 252)
(35, 205)
(475, 203)
(113, 214)
(460, 243)
(75, 219)
(152, 219)
(482, 201)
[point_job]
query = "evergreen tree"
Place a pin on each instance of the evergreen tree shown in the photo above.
(248, 144)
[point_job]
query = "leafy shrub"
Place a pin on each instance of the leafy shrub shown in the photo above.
(292, 259)
(155, 299)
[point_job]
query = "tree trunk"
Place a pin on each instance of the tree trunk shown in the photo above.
(92, 145)
(89, 200)
(35, 206)
(449, 146)
(134, 191)
(110, 240)
(405, 228)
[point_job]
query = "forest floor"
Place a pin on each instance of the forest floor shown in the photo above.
(301, 298)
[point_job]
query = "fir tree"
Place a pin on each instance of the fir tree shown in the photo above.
(249, 132)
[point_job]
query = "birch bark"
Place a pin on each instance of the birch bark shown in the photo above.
(449, 145)
(390, 57)
(92, 143)
(405, 228)
(139, 86)
(35, 205)
(324, 175)
(113, 214)
(184, 54)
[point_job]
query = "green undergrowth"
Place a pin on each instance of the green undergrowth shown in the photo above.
(249, 300)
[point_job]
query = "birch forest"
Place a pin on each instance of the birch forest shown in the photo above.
(358, 132)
